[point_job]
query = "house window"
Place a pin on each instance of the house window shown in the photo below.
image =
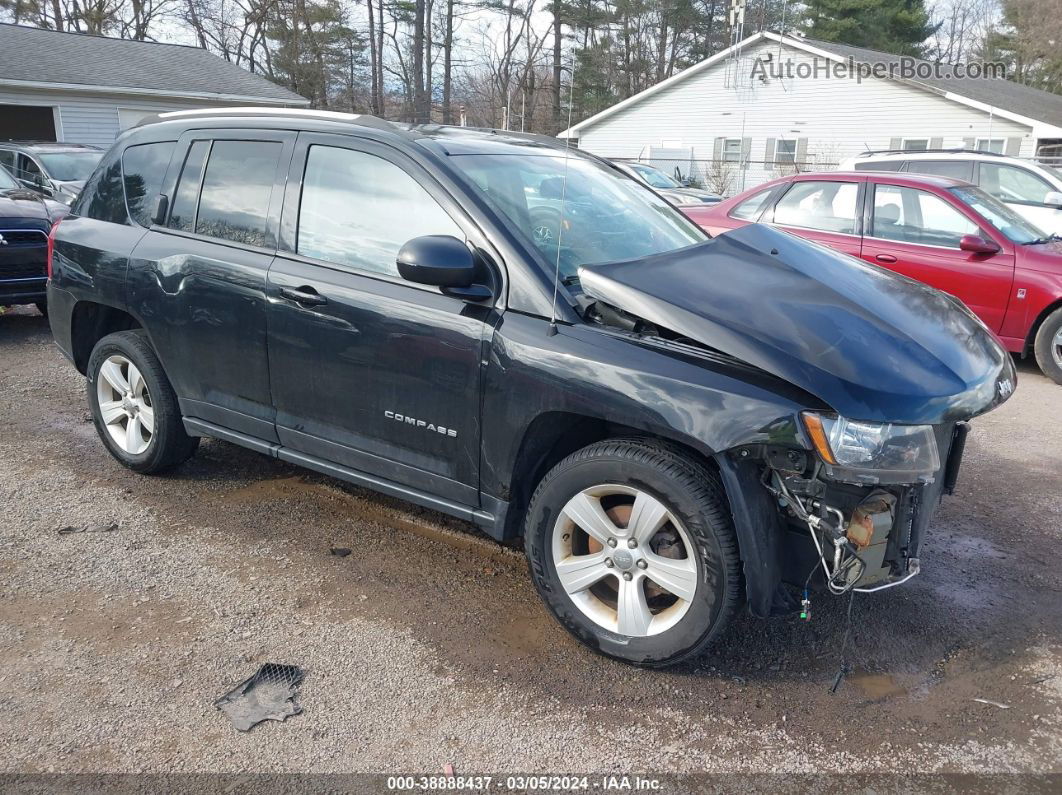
(785, 150)
(995, 145)
(915, 144)
(732, 150)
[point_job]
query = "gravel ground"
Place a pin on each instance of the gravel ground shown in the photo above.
(427, 645)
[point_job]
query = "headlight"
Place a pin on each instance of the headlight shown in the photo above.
(871, 452)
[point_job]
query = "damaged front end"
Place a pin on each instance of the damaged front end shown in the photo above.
(893, 371)
(864, 522)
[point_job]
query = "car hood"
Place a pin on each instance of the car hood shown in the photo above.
(22, 204)
(871, 344)
(695, 193)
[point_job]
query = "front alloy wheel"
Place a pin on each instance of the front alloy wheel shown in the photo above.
(625, 560)
(632, 547)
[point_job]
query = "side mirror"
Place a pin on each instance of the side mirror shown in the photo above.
(1053, 199)
(441, 261)
(978, 245)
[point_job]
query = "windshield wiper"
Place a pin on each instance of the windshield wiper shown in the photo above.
(1041, 240)
(568, 281)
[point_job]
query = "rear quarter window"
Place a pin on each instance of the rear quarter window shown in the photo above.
(103, 197)
(143, 168)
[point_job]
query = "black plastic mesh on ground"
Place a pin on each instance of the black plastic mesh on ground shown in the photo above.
(268, 695)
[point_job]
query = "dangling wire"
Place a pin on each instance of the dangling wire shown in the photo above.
(564, 190)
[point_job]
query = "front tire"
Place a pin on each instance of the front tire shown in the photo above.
(631, 545)
(133, 405)
(1048, 346)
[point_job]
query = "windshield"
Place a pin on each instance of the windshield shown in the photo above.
(70, 166)
(1014, 226)
(1054, 171)
(655, 177)
(7, 182)
(588, 214)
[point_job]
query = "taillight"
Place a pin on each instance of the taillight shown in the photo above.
(51, 247)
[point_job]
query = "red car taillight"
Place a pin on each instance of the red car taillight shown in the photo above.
(51, 247)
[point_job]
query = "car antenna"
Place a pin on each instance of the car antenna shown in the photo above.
(564, 187)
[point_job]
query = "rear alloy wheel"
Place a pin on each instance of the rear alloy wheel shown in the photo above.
(133, 405)
(125, 404)
(632, 547)
(1048, 346)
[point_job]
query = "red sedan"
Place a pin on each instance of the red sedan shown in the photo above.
(944, 232)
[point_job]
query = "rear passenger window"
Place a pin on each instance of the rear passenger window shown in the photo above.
(143, 167)
(959, 169)
(224, 191)
(234, 204)
(829, 206)
(182, 214)
(358, 210)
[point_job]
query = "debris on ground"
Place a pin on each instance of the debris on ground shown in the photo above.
(268, 695)
(992, 703)
(99, 527)
(340, 552)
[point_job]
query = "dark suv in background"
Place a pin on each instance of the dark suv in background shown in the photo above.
(675, 425)
(26, 218)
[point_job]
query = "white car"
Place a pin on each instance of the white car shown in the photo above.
(1032, 189)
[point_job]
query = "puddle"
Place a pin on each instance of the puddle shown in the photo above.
(876, 687)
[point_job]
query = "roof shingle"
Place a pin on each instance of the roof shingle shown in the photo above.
(48, 56)
(999, 93)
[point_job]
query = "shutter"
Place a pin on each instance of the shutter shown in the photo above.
(746, 149)
(718, 154)
(768, 155)
(969, 143)
(1013, 147)
(896, 143)
(936, 143)
(801, 152)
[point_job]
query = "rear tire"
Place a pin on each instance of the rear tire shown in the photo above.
(669, 578)
(1048, 346)
(133, 405)
(42, 307)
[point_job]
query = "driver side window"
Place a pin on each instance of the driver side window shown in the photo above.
(358, 210)
(908, 215)
(28, 169)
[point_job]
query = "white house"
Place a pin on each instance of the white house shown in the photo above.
(86, 89)
(773, 104)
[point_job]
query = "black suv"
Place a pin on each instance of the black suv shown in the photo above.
(26, 218)
(675, 425)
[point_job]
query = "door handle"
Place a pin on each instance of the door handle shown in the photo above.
(885, 258)
(307, 296)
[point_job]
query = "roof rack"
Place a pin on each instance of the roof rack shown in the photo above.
(956, 151)
(250, 110)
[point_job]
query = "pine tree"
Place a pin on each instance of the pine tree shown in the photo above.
(899, 27)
